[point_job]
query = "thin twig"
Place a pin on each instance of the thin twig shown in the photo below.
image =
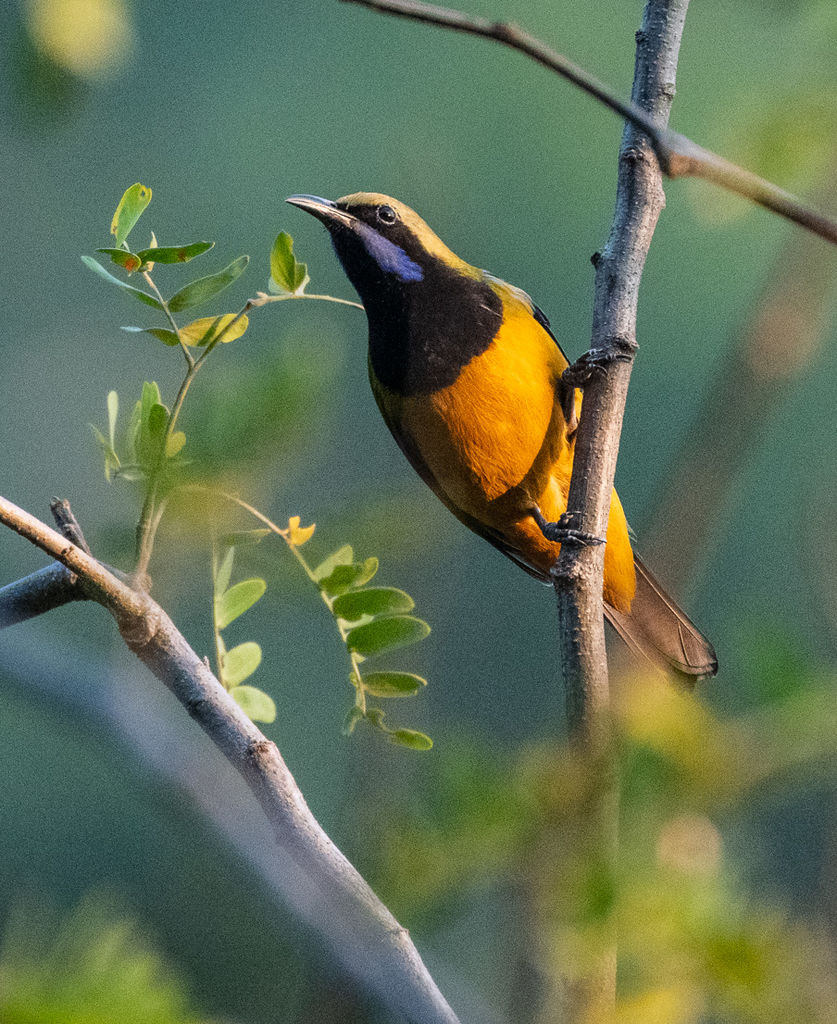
(361, 932)
(678, 156)
(262, 299)
(67, 522)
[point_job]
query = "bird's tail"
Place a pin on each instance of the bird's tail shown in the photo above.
(661, 632)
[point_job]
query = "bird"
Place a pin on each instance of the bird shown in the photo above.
(468, 376)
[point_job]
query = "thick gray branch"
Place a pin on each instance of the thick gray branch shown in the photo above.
(41, 592)
(360, 930)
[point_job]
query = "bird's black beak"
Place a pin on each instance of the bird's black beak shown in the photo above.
(323, 209)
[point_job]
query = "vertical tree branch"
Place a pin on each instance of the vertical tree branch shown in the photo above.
(589, 994)
(639, 200)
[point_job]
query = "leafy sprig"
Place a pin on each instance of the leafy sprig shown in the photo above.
(135, 455)
(371, 620)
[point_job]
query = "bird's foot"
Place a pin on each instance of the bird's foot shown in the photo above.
(565, 530)
(597, 360)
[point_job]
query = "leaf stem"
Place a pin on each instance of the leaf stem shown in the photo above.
(262, 299)
(153, 286)
(149, 518)
(148, 523)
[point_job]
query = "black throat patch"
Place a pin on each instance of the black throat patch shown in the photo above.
(422, 333)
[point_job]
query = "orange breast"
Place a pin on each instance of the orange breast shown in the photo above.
(493, 444)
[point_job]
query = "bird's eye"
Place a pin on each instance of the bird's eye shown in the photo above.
(387, 215)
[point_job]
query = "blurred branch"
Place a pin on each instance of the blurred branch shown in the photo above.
(677, 155)
(360, 930)
(146, 738)
(779, 341)
(67, 523)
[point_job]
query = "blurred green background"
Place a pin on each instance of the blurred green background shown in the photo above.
(226, 109)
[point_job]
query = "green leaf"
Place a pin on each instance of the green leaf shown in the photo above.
(158, 417)
(174, 253)
(138, 293)
(255, 703)
(244, 538)
(410, 738)
(150, 398)
(113, 413)
(241, 662)
(344, 577)
(122, 258)
(237, 600)
(206, 288)
(353, 716)
(208, 328)
(161, 333)
(342, 556)
(392, 684)
(386, 634)
(372, 601)
(132, 434)
(112, 463)
(222, 577)
(147, 445)
(287, 275)
(134, 200)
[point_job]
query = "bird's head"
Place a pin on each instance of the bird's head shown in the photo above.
(384, 246)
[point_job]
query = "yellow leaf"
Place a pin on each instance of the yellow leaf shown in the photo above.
(175, 443)
(207, 328)
(298, 535)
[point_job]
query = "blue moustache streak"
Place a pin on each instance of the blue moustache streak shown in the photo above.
(390, 257)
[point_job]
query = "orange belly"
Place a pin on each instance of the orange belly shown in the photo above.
(494, 444)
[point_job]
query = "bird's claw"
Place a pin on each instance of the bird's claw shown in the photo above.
(565, 531)
(597, 360)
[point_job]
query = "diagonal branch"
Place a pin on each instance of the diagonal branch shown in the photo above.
(336, 900)
(678, 156)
